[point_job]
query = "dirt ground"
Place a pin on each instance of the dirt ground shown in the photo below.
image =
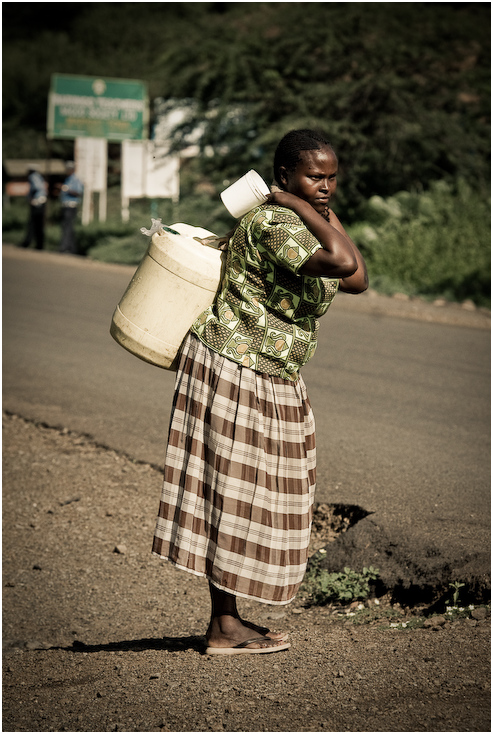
(101, 636)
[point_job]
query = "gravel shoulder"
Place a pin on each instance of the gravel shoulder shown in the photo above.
(98, 635)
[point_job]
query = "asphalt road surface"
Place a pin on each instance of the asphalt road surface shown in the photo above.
(402, 404)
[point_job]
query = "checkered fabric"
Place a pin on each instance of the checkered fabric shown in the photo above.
(239, 477)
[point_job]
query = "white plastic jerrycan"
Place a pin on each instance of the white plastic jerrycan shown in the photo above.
(176, 281)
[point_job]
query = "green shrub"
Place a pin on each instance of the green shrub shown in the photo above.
(124, 243)
(14, 218)
(14, 225)
(322, 587)
(434, 243)
(92, 236)
(125, 250)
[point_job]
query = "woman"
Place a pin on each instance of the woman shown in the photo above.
(239, 478)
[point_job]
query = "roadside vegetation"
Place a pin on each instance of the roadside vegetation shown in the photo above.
(430, 244)
(359, 598)
(433, 244)
(344, 587)
(403, 91)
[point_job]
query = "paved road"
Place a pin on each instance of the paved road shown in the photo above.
(402, 405)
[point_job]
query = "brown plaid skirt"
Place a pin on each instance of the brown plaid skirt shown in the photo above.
(239, 477)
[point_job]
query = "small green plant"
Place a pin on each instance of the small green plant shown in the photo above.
(322, 587)
(455, 585)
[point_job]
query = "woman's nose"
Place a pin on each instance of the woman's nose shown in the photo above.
(327, 185)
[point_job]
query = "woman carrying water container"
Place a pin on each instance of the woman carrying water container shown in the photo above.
(239, 478)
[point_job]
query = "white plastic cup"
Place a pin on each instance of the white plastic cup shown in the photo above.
(248, 192)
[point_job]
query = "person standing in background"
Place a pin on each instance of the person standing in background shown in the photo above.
(37, 197)
(70, 198)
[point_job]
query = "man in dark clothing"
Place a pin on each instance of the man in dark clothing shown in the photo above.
(37, 202)
(70, 198)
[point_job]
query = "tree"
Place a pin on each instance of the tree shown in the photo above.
(402, 89)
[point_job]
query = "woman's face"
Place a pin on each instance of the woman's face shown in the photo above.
(314, 179)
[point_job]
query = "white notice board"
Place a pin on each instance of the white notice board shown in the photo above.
(91, 161)
(147, 170)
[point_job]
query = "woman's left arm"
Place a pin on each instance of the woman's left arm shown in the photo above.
(358, 281)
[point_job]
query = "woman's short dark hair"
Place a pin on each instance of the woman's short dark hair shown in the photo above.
(288, 151)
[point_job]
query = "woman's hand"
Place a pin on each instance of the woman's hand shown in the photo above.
(358, 281)
(283, 198)
(339, 258)
(291, 201)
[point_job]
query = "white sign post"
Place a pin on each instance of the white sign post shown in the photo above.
(91, 160)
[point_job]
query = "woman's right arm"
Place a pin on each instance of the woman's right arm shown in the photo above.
(337, 258)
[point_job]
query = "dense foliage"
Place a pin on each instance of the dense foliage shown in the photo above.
(402, 90)
(430, 244)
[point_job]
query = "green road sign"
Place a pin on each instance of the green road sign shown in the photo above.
(80, 106)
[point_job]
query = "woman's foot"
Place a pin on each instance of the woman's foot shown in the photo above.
(227, 631)
(255, 645)
(265, 631)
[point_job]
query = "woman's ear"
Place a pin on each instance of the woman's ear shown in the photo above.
(283, 177)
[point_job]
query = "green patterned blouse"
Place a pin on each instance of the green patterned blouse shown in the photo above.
(265, 314)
